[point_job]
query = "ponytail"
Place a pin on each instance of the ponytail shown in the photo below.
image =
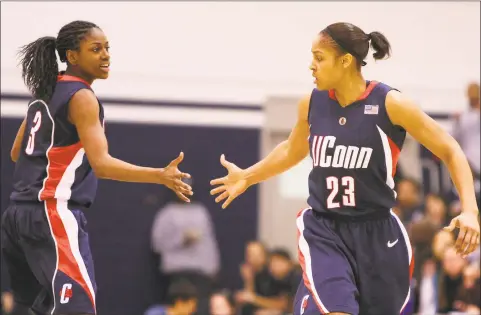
(380, 44)
(40, 67)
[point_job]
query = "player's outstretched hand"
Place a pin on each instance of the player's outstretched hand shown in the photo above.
(172, 178)
(231, 185)
(468, 237)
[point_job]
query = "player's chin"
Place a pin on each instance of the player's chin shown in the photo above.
(321, 86)
(102, 75)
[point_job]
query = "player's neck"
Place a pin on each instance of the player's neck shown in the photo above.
(351, 88)
(75, 73)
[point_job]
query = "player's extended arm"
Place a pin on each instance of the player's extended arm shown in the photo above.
(84, 114)
(284, 156)
(287, 154)
(17, 143)
(405, 113)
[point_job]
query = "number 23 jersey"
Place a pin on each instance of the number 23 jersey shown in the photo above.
(354, 152)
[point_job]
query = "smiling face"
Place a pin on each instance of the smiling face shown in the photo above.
(92, 59)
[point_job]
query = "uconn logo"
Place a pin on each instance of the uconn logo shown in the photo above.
(348, 157)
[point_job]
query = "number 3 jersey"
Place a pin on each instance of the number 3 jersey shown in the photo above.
(52, 162)
(354, 151)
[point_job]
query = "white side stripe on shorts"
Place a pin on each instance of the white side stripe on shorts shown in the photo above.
(307, 268)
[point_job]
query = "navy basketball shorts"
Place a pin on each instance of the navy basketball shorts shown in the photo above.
(360, 267)
(46, 249)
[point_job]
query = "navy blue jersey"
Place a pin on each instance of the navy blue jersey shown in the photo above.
(354, 150)
(52, 162)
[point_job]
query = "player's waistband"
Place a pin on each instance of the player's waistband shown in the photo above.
(372, 216)
(70, 204)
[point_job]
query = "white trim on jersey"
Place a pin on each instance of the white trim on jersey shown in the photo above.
(63, 190)
(388, 159)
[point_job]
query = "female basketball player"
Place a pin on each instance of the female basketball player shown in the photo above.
(59, 149)
(355, 253)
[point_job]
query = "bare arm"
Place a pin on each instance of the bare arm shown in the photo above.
(429, 133)
(17, 143)
(287, 154)
(84, 114)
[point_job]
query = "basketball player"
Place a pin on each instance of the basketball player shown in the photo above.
(59, 150)
(355, 253)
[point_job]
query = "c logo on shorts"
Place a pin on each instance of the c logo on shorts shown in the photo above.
(304, 303)
(66, 293)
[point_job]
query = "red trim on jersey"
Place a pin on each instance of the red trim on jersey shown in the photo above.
(59, 159)
(302, 262)
(394, 154)
(70, 78)
(370, 87)
(66, 260)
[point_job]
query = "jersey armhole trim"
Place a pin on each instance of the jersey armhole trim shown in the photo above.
(398, 127)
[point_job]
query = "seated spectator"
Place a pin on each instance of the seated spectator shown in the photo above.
(221, 303)
(427, 288)
(409, 200)
(451, 279)
(286, 274)
(183, 236)
(422, 234)
(254, 271)
(442, 241)
(285, 278)
(469, 296)
(183, 301)
(435, 210)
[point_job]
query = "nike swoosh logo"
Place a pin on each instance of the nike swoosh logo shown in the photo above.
(391, 244)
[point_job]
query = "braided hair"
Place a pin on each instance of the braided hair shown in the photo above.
(39, 61)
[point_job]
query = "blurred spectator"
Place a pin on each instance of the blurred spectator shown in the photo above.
(422, 234)
(183, 236)
(469, 296)
(221, 303)
(450, 280)
(435, 210)
(428, 288)
(442, 241)
(254, 270)
(256, 277)
(182, 301)
(286, 274)
(467, 132)
(279, 288)
(7, 303)
(409, 200)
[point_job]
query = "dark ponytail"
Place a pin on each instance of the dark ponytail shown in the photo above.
(40, 67)
(380, 44)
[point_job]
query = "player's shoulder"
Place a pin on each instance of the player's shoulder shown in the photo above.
(382, 87)
(304, 104)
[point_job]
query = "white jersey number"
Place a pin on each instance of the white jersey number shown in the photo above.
(348, 198)
(37, 121)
